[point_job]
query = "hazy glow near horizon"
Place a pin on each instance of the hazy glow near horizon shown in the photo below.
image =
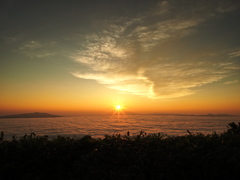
(155, 56)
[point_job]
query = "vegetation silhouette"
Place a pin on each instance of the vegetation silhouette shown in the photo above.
(156, 156)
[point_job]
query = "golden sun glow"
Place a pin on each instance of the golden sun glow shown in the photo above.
(118, 107)
(118, 110)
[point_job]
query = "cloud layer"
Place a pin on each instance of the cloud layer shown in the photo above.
(138, 55)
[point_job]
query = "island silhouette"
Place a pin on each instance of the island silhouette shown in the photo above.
(31, 115)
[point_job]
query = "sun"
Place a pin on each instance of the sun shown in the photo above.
(118, 107)
(118, 110)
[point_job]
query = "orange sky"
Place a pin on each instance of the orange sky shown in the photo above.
(148, 56)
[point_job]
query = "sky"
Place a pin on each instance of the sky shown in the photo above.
(149, 56)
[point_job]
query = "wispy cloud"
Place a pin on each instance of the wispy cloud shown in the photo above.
(235, 54)
(35, 49)
(127, 56)
(231, 82)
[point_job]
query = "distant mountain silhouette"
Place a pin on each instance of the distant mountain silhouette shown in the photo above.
(31, 115)
(207, 115)
(217, 115)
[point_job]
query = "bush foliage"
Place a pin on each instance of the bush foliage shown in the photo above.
(156, 156)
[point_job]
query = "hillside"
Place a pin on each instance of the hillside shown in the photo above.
(31, 115)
